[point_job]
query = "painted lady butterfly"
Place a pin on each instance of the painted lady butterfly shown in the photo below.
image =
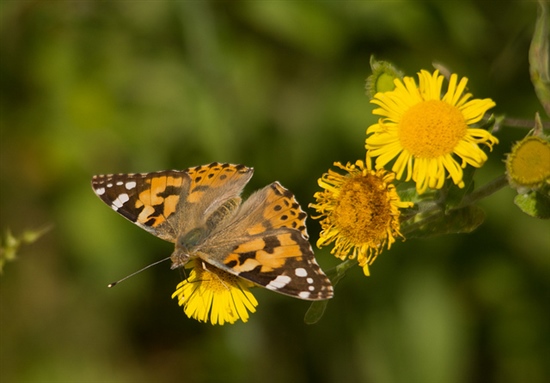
(263, 239)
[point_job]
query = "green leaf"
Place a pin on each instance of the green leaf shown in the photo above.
(455, 195)
(315, 312)
(539, 57)
(9, 244)
(463, 220)
(317, 309)
(534, 203)
(490, 123)
(407, 192)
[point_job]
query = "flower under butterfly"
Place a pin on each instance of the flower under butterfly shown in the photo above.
(426, 131)
(359, 211)
(210, 294)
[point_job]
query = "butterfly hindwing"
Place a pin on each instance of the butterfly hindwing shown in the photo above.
(271, 247)
(282, 261)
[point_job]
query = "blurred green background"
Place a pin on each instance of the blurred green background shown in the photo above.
(90, 87)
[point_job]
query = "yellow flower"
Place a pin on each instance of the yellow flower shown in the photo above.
(210, 293)
(528, 165)
(360, 212)
(426, 132)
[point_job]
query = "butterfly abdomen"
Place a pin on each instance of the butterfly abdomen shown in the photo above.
(225, 211)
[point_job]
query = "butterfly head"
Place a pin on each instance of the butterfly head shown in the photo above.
(179, 257)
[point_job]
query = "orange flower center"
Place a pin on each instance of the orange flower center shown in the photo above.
(363, 209)
(431, 129)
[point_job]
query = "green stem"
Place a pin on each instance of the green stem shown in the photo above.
(522, 123)
(435, 211)
(339, 271)
(484, 191)
(344, 266)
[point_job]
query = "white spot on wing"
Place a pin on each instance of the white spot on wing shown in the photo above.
(304, 295)
(130, 185)
(309, 280)
(100, 191)
(300, 272)
(279, 282)
(117, 203)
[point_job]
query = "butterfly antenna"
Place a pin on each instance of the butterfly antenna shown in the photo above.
(137, 272)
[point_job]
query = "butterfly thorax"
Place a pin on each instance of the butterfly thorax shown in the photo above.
(187, 244)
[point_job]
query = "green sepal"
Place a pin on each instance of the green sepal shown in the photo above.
(382, 77)
(534, 203)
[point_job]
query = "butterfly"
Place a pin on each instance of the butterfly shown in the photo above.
(262, 239)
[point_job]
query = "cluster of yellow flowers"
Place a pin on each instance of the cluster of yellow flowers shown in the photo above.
(422, 133)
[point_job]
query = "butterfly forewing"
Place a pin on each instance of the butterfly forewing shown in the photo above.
(213, 184)
(150, 200)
